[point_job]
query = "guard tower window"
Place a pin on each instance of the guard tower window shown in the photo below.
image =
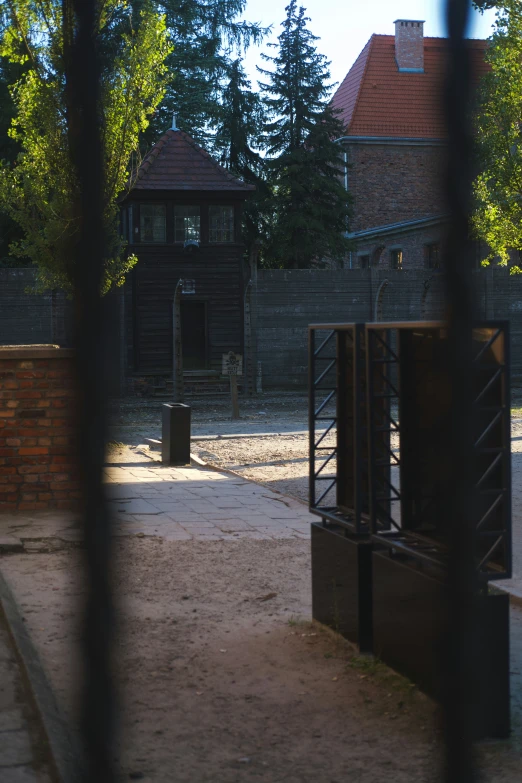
(187, 224)
(130, 224)
(153, 223)
(221, 224)
(364, 262)
(396, 259)
(433, 255)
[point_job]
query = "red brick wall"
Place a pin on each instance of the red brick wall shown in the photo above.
(412, 244)
(409, 44)
(37, 462)
(392, 183)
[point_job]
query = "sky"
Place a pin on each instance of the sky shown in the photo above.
(344, 26)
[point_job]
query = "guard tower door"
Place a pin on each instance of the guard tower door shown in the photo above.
(194, 334)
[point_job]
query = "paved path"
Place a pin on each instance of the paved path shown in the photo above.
(177, 504)
(20, 744)
(199, 503)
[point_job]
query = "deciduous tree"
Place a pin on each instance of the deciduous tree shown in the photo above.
(39, 190)
(498, 189)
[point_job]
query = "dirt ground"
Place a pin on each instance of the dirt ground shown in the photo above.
(223, 679)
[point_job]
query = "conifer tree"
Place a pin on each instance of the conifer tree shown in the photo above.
(205, 35)
(311, 206)
(237, 144)
(240, 127)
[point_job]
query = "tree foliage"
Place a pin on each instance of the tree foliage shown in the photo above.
(498, 188)
(9, 149)
(39, 190)
(237, 143)
(311, 206)
(207, 35)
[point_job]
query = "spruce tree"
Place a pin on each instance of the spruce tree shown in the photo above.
(237, 143)
(205, 35)
(240, 126)
(311, 206)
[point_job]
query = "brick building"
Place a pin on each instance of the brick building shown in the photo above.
(391, 103)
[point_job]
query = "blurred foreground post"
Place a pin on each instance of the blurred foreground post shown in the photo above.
(460, 684)
(84, 124)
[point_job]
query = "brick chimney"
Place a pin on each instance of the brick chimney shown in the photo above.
(409, 45)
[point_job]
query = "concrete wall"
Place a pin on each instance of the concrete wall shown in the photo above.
(27, 318)
(286, 302)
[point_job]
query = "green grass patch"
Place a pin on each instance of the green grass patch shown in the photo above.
(372, 667)
(115, 445)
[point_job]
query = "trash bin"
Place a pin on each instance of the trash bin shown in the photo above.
(175, 434)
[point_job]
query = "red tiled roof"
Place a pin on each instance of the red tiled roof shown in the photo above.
(376, 99)
(176, 162)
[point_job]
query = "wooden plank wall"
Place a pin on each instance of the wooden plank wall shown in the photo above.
(218, 280)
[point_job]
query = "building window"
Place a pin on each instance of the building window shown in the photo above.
(130, 224)
(187, 224)
(396, 259)
(433, 255)
(364, 262)
(221, 224)
(153, 223)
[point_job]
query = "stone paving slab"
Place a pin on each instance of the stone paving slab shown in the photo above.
(178, 504)
(201, 504)
(19, 759)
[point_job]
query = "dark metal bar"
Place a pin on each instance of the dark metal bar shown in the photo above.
(324, 404)
(486, 346)
(327, 490)
(85, 124)
(325, 433)
(488, 554)
(506, 437)
(488, 471)
(325, 342)
(489, 384)
(325, 463)
(390, 384)
(311, 416)
(332, 514)
(488, 429)
(409, 550)
(462, 619)
(357, 445)
(386, 345)
(325, 372)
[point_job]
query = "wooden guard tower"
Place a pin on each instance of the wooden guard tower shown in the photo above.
(183, 221)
